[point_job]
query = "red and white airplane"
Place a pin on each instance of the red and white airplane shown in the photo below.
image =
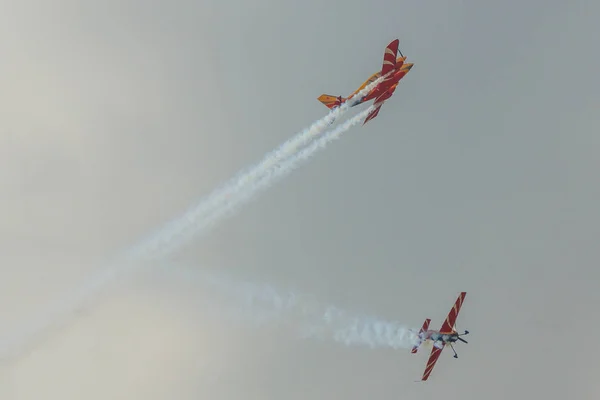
(393, 69)
(445, 336)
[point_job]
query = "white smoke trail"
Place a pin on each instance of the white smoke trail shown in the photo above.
(263, 304)
(226, 200)
(269, 178)
(237, 184)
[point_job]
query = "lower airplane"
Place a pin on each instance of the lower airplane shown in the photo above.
(445, 336)
(393, 68)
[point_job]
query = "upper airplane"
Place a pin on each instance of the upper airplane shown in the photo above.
(445, 336)
(393, 70)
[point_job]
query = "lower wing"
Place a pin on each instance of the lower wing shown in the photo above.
(378, 103)
(435, 354)
(373, 113)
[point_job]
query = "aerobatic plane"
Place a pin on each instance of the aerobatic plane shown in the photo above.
(445, 336)
(393, 69)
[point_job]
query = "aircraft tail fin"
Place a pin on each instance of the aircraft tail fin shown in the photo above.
(331, 101)
(423, 329)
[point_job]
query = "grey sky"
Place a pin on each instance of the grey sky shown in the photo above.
(480, 174)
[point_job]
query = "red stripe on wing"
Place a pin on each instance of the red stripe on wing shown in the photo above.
(389, 57)
(435, 354)
(448, 325)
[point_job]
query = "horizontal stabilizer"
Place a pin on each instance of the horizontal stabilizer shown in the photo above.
(331, 101)
(423, 329)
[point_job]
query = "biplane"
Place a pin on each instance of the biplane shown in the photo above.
(447, 335)
(393, 69)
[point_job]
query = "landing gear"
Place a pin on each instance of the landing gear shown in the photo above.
(461, 339)
(452, 347)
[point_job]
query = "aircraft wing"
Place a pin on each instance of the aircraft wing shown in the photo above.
(378, 103)
(389, 57)
(373, 113)
(448, 325)
(435, 354)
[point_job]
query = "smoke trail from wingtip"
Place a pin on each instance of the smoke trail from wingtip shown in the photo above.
(263, 305)
(56, 314)
(227, 191)
(268, 179)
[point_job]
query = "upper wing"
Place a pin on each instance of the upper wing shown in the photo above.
(435, 354)
(448, 325)
(389, 57)
(389, 64)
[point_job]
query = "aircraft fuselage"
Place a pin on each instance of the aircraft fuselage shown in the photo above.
(388, 86)
(437, 336)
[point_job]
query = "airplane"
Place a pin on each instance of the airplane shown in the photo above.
(445, 336)
(395, 67)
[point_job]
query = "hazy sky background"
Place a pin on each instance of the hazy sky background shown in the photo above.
(480, 174)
